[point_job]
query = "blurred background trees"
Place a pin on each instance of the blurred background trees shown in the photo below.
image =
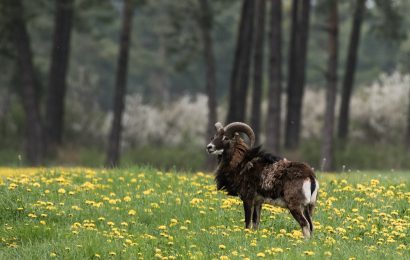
(66, 95)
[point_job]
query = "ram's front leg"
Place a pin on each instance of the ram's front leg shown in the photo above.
(256, 218)
(248, 208)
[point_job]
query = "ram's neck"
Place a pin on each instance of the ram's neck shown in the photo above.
(237, 154)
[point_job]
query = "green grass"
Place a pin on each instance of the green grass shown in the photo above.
(75, 213)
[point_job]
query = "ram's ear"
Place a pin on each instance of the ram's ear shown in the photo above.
(219, 127)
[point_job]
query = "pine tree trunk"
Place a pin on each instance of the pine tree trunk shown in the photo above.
(240, 71)
(407, 140)
(58, 71)
(297, 72)
(331, 82)
(273, 122)
(205, 24)
(34, 143)
(350, 70)
(260, 10)
(114, 141)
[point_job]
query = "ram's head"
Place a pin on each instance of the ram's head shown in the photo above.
(224, 136)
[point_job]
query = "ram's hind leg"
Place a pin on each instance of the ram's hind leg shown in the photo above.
(297, 213)
(307, 213)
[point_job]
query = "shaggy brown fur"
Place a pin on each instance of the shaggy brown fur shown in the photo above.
(257, 178)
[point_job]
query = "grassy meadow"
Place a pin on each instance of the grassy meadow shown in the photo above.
(141, 213)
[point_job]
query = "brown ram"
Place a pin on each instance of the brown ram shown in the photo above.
(258, 177)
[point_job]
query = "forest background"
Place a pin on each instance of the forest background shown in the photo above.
(96, 83)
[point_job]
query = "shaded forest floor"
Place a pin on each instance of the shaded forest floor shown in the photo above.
(353, 157)
(77, 213)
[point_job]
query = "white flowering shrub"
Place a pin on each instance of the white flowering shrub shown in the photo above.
(182, 122)
(377, 112)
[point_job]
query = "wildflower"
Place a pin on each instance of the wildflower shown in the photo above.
(127, 199)
(61, 191)
(222, 246)
(260, 255)
(327, 253)
(162, 227)
(277, 250)
(309, 253)
(224, 257)
(132, 212)
(53, 254)
(112, 253)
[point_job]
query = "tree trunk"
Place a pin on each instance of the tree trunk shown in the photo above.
(260, 10)
(297, 72)
(205, 24)
(408, 127)
(240, 71)
(273, 124)
(114, 141)
(350, 70)
(331, 79)
(34, 143)
(58, 71)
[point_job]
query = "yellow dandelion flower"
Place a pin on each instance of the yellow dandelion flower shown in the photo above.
(327, 253)
(277, 250)
(127, 199)
(53, 254)
(260, 254)
(132, 212)
(222, 246)
(223, 257)
(309, 253)
(112, 253)
(61, 191)
(162, 227)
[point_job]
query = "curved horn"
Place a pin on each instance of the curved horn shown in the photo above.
(240, 127)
